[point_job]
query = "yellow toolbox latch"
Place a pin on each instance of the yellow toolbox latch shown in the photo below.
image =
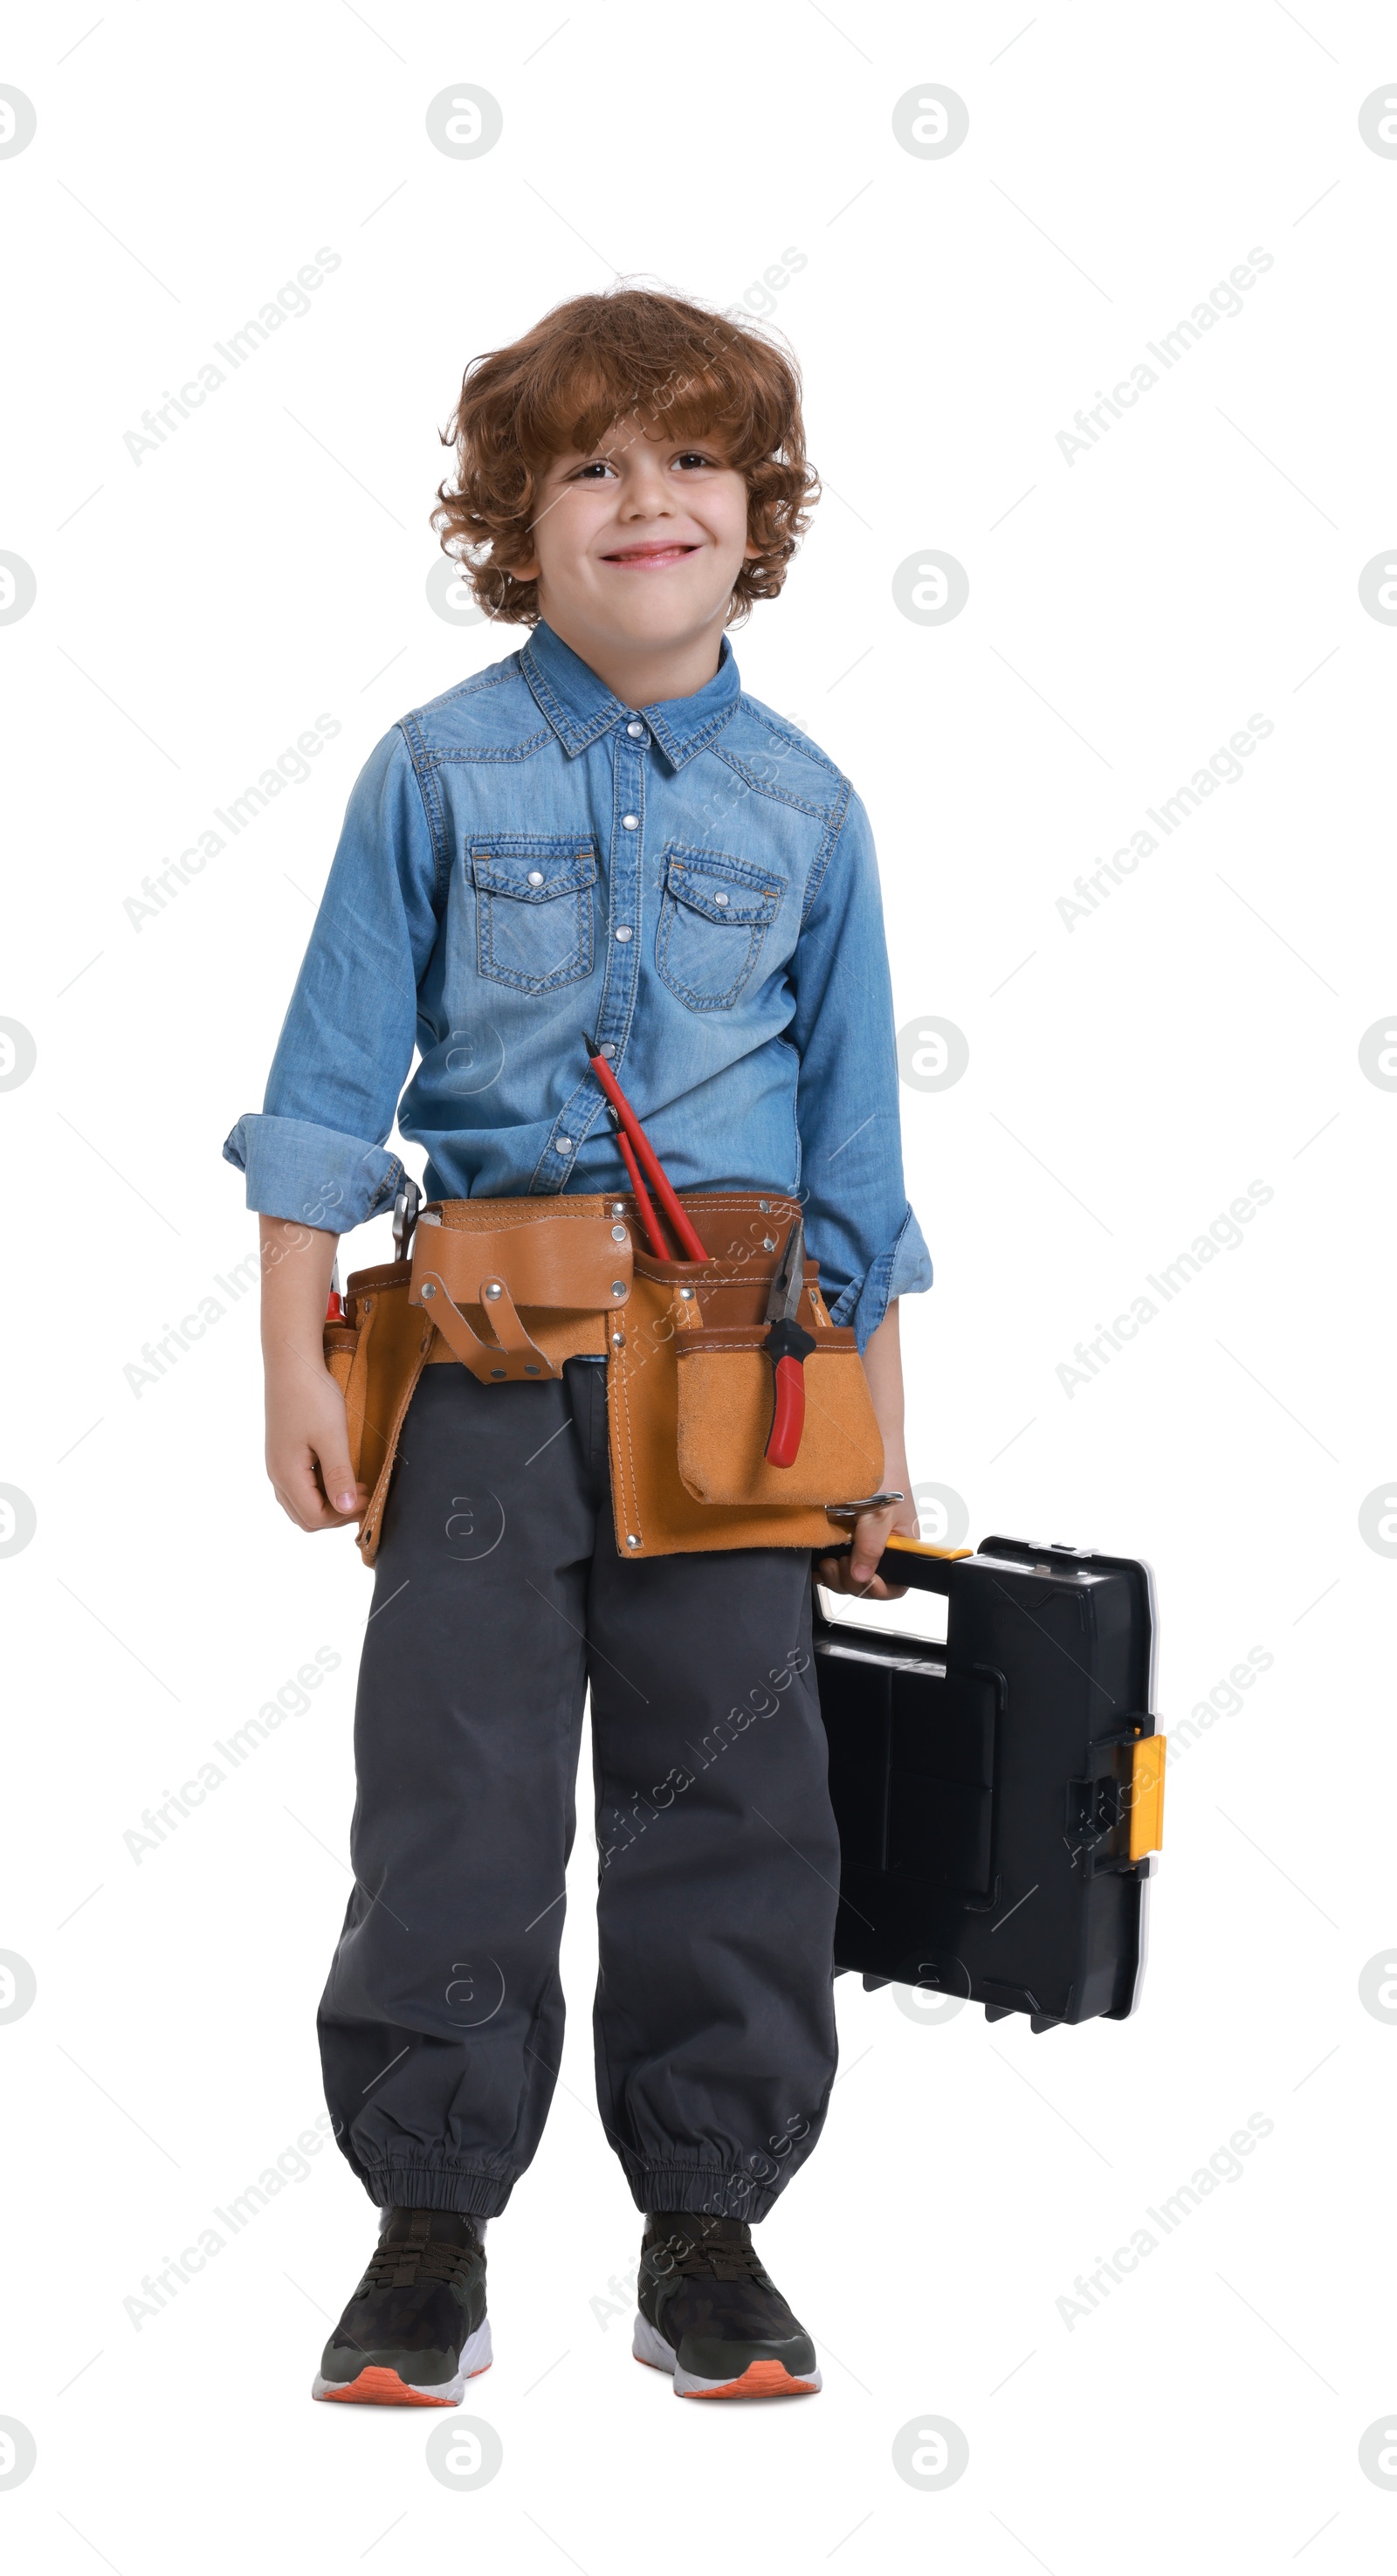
(1115, 1814)
(1147, 1795)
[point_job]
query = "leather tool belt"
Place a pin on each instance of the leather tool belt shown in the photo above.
(510, 1288)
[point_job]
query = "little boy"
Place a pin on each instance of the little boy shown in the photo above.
(599, 833)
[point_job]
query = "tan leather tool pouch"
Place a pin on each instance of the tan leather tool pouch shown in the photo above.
(559, 1272)
(723, 1411)
(376, 1357)
(513, 1287)
(690, 1397)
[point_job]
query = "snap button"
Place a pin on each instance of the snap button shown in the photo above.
(636, 732)
(718, 898)
(427, 1289)
(623, 931)
(535, 876)
(563, 1146)
(618, 1232)
(618, 1287)
(630, 822)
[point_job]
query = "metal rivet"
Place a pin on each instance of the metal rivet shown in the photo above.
(618, 1232)
(768, 1243)
(765, 1206)
(427, 1289)
(529, 1369)
(618, 1341)
(618, 1207)
(497, 1372)
(492, 1288)
(368, 1305)
(686, 1292)
(618, 1287)
(535, 876)
(631, 1539)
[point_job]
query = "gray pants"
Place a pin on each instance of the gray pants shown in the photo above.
(499, 1598)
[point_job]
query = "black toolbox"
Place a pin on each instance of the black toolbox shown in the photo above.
(999, 1798)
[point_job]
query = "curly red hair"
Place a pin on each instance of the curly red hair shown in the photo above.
(590, 363)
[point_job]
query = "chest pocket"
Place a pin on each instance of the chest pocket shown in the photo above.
(714, 914)
(533, 908)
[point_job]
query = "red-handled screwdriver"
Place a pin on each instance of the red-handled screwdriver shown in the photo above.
(690, 1248)
(788, 1346)
(649, 1222)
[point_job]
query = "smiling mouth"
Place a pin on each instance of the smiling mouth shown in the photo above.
(650, 558)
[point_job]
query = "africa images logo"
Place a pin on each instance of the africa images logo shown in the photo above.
(1224, 301)
(291, 302)
(1224, 768)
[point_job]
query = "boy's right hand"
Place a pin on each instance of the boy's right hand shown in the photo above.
(307, 1430)
(308, 1448)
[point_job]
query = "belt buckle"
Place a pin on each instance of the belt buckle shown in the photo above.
(405, 1207)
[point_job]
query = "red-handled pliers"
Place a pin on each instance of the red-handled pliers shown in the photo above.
(788, 1347)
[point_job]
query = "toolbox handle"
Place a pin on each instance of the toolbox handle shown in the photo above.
(913, 1561)
(923, 1547)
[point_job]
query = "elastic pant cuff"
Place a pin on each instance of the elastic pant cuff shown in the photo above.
(471, 2194)
(700, 2189)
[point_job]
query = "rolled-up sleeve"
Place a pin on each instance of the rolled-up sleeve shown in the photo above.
(859, 1226)
(315, 1152)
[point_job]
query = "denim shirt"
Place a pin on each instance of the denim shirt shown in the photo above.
(691, 883)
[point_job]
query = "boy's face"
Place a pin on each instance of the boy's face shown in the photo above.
(638, 543)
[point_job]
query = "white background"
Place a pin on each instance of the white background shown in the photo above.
(1127, 1078)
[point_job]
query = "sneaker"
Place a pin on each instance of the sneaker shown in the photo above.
(711, 2315)
(415, 2330)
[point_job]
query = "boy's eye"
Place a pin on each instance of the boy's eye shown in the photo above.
(692, 456)
(593, 471)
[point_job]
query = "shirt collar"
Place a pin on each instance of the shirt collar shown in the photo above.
(580, 707)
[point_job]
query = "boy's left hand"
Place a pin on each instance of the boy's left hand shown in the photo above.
(857, 1572)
